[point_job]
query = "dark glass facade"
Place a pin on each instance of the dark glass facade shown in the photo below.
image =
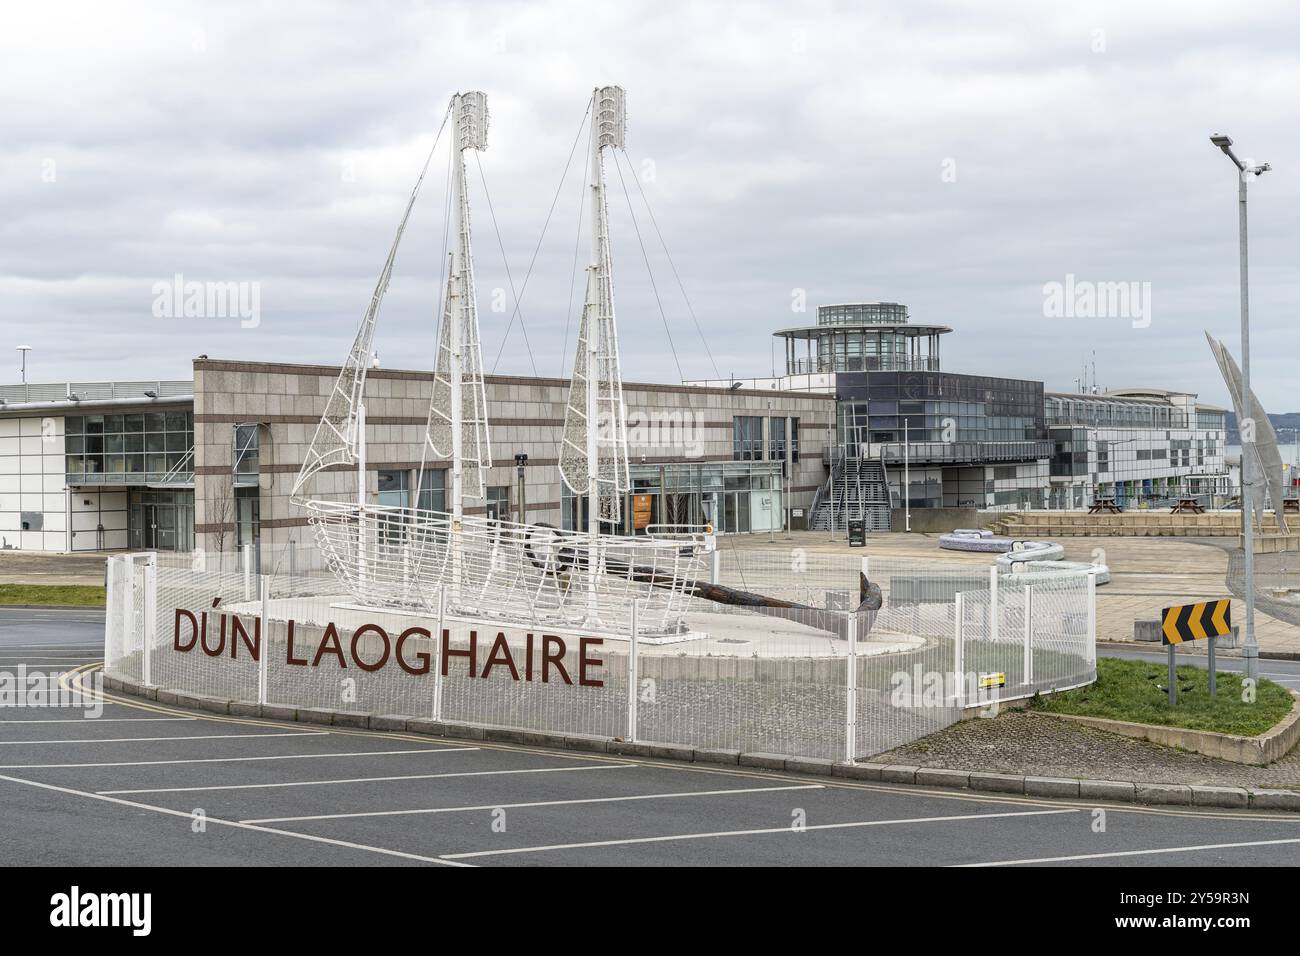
(941, 407)
(1069, 452)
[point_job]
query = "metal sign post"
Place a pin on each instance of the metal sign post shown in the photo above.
(1173, 678)
(1195, 622)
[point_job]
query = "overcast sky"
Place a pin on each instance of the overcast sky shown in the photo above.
(949, 158)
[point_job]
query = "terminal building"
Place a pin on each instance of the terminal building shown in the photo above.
(977, 441)
(1135, 446)
(863, 405)
(101, 466)
(210, 463)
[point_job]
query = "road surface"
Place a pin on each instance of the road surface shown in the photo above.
(161, 786)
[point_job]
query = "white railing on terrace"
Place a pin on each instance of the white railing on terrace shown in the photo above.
(870, 363)
(73, 392)
(925, 451)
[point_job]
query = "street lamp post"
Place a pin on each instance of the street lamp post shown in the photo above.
(907, 480)
(521, 461)
(22, 351)
(1250, 650)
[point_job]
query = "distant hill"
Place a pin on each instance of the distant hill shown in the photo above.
(1283, 423)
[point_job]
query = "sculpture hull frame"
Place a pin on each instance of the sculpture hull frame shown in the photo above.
(526, 574)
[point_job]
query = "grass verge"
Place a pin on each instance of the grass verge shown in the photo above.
(1138, 691)
(81, 595)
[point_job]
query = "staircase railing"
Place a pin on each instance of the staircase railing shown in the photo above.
(884, 473)
(818, 499)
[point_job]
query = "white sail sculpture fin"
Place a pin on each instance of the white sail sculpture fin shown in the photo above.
(1268, 459)
(335, 440)
(458, 389)
(593, 454)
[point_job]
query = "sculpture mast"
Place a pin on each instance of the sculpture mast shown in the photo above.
(593, 458)
(458, 426)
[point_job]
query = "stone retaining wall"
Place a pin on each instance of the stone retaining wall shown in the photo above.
(1049, 524)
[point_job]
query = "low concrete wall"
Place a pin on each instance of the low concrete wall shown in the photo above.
(1152, 631)
(1269, 746)
(933, 520)
(1273, 543)
(1054, 524)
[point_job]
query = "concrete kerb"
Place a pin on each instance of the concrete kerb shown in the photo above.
(1190, 650)
(1260, 750)
(52, 607)
(1114, 791)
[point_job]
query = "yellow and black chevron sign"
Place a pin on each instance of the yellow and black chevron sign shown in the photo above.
(1192, 622)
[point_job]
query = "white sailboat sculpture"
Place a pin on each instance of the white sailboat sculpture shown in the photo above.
(406, 558)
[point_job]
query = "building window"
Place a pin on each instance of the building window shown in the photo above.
(498, 503)
(393, 491)
(794, 440)
(138, 446)
(248, 517)
(776, 447)
(433, 490)
(245, 457)
(747, 438)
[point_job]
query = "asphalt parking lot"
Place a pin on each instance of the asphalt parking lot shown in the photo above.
(156, 785)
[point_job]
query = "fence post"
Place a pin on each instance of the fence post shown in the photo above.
(150, 614)
(264, 650)
(993, 602)
(1029, 635)
(111, 612)
(632, 680)
(1092, 619)
(851, 693)
(128, 603)
(439, 637)
(959, 656)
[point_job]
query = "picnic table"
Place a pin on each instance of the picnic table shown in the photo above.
(1187, 506)
(1105, 506)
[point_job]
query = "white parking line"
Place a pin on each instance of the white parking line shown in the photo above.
(1118, 853)
(98, 720)
(234, 824)
(58, 652)
(31, 663)
(959, 818)
(539, 803)
(158, 763)
(86, 646)
(136, 740)
(412, 776)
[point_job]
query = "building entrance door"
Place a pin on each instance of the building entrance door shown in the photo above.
(735, 512)
(159, 527)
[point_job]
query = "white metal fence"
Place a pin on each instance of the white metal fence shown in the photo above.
(824, 680)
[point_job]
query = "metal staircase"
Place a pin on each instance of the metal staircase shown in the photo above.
(855, 489)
